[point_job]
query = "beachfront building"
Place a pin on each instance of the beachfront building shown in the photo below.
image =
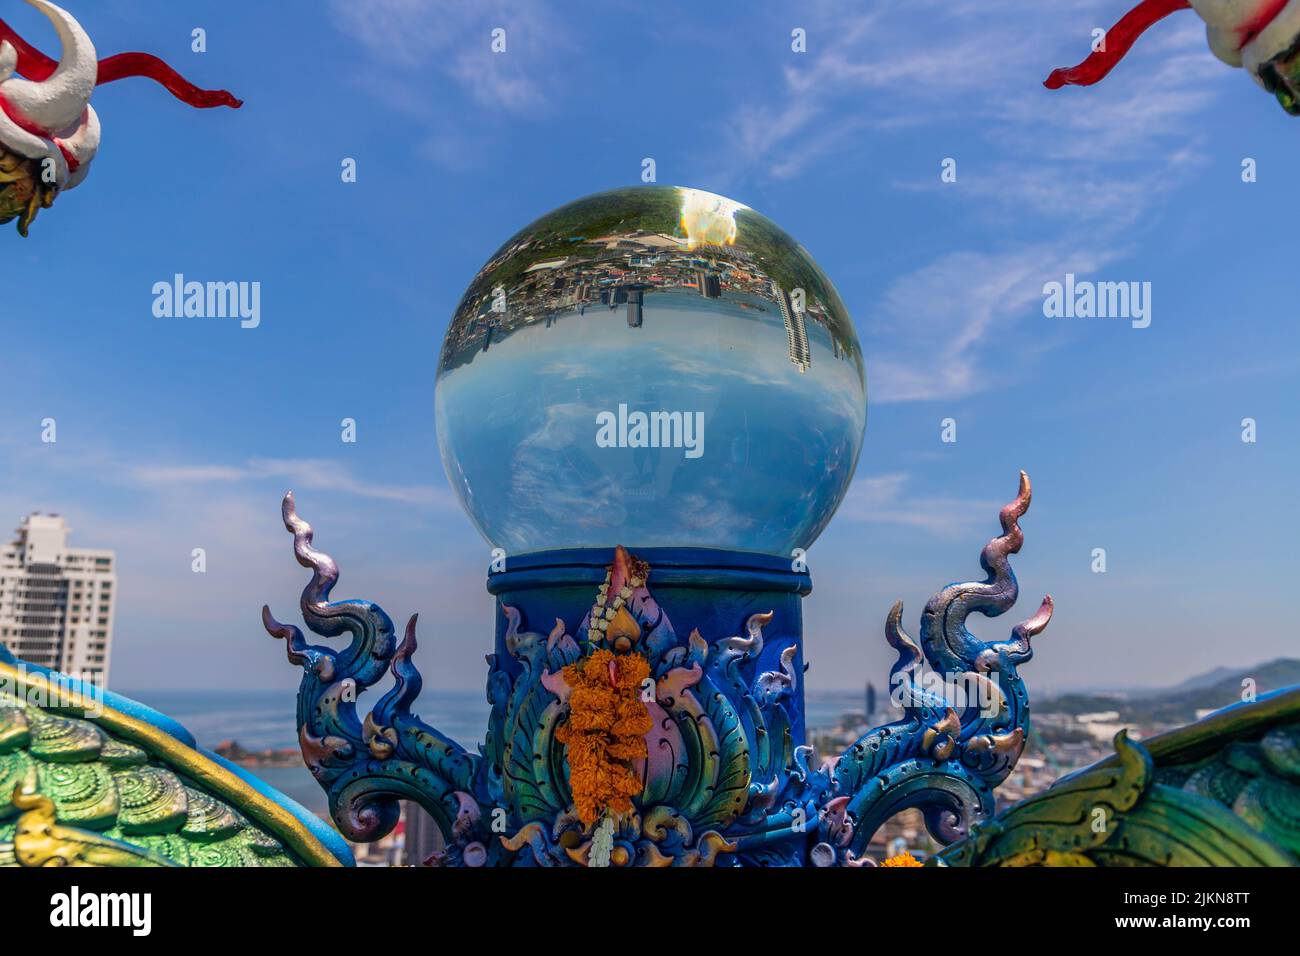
(56, 601)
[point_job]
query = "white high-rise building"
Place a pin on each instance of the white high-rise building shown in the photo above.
(796, 329)
(56, 602)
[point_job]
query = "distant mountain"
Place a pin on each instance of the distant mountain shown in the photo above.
(1208, 679)
(1178, 704)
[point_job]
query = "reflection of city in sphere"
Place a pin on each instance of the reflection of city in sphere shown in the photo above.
(651, 367)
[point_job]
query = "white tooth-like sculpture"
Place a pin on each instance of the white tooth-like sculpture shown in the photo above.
(51, 120)
(1247, 33)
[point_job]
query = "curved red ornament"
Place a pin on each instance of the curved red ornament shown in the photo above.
(35, 65)
(1119, 40)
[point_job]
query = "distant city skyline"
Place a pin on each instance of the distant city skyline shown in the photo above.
(180, 433)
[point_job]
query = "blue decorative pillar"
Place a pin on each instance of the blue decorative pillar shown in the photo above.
(648, 704)
(709, 591)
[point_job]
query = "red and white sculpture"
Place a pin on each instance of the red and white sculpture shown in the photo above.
(45, 111)
(1260, 36)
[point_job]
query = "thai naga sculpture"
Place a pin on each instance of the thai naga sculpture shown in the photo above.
(722, 776)
(49, 132)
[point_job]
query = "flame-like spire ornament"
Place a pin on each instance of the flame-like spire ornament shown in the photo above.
(726, 778)
(49, 132)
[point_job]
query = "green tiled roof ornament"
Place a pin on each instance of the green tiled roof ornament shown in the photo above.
(92, 779)
(1224, 791)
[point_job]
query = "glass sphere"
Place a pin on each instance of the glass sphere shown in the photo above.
(653, 366)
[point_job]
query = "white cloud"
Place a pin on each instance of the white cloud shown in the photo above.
(405, 36)
(402, 546)
(1072, 162)
(884, 499)
(317, 473)
(950, 328)
(974, 61)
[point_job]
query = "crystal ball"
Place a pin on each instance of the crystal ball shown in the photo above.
(653, 367)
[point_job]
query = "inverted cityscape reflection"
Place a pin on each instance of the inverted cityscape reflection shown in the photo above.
(652, 367)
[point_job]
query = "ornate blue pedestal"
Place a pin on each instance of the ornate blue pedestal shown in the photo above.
(709, 591)
(723, 776)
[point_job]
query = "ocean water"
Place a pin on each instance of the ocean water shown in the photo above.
(259, 719)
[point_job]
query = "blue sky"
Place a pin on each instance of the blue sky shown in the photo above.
(183, 433)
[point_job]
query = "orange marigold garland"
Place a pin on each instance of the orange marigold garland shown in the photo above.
(605, 731)
(902, 859)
